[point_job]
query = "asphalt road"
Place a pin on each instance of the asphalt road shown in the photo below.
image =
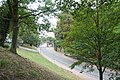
(65, 62)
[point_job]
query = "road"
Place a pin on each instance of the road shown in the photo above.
(65, 62)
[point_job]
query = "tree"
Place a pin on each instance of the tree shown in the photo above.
(31, 39)
(28, 31)
(5, 23)
(13, 9)
(92, 37)
(15, 6)
(63, 26)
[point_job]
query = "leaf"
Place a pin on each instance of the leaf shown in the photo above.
(75, 63)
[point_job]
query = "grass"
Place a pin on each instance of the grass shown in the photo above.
(37, 58)
(14, 67)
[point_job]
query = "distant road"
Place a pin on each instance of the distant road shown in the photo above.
(65, 62)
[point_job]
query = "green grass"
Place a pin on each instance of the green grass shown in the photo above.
(37, 58)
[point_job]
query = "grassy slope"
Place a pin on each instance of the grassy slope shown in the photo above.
(36, 57)
(14, 67)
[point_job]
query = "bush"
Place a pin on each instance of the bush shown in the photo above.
(5, 46)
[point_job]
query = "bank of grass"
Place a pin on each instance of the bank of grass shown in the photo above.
(14, 67)
(37, 58)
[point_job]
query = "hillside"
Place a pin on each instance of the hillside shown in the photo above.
(14, 67)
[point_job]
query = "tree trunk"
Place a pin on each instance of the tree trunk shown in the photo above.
(100, 73)
(14, 38)
(4, 29)
(98, 53)
(13, 8)
(99, 57)
(55, 46)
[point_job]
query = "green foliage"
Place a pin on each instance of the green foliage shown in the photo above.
(31, 38)
(27, 1)
(50, 39)
(5, 46)
(63, 26)
(86, 38)
(28, 31)
(45, 26)
(23, 16)
(66, 5)
(118, 78)
(19, 41)
(76, 63)
(94, 35)
(26, 16)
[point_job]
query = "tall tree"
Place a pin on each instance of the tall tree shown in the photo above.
(13, 9)
(63, 26)
(92, 37)
(15, 6)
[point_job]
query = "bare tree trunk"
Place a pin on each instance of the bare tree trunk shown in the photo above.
(13, 8)
(100, 67)
(14, 38)
(100, 74)
(55, 46)
(4, 29)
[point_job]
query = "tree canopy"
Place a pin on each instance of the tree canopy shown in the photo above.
(22, 17)
(93, 35)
